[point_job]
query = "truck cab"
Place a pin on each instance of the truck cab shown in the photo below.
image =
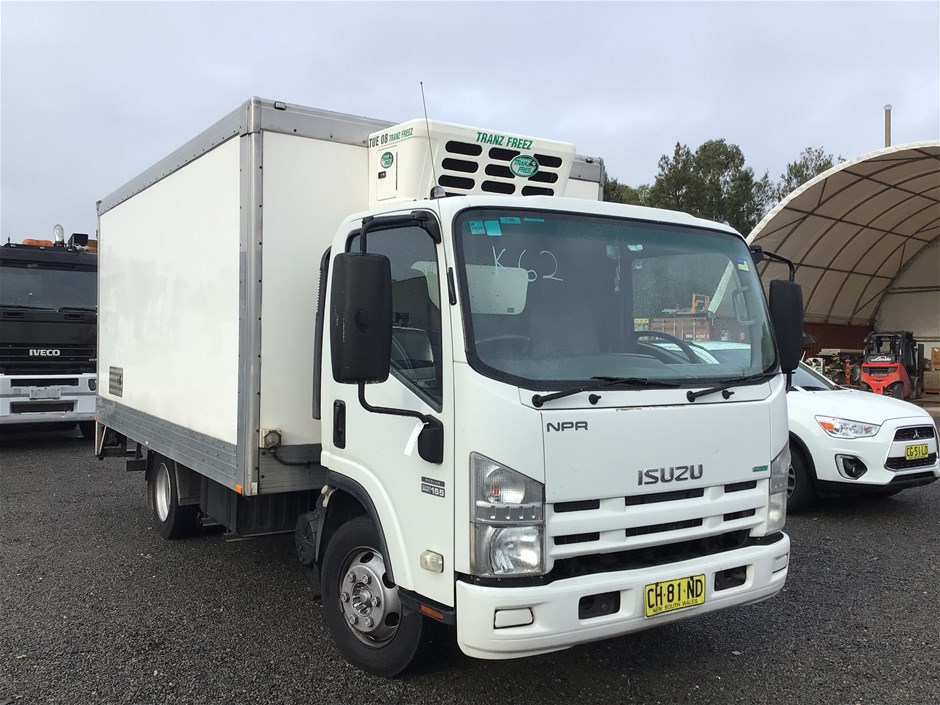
(48, 316)
(573, 473)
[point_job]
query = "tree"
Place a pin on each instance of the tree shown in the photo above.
(616, 192)
(674, 187)
(812, 162)
(712, 182)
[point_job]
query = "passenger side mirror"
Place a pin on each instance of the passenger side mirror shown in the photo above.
(786, 313)
(361, 318)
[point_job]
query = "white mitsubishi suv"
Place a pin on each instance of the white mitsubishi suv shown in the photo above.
(843, 440)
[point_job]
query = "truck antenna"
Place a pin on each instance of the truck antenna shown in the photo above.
(436, 190)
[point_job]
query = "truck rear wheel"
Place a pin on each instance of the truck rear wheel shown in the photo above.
(363, 613)
(172, 521)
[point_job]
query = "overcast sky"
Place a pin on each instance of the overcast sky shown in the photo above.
(91, 94)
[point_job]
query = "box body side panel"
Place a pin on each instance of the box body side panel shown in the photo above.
(310, 186)
(169, 270)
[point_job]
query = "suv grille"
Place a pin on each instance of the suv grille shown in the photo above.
(914, 433)
(902, 464)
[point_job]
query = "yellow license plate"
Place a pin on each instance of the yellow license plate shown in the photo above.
(915, 452)
(669, 595)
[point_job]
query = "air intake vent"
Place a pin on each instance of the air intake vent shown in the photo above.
(407, 160)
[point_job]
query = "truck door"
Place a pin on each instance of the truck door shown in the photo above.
(413, 498)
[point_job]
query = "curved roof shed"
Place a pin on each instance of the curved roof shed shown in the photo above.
(857, 228)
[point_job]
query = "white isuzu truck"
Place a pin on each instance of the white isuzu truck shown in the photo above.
(426, 350)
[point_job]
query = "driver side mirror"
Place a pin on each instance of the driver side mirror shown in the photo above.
(786, 314)
(361, 318)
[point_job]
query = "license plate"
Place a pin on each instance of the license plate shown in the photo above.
(915, 452)
(45, 393)
(669, 595)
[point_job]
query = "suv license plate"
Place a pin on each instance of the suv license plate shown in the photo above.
(52, 393)
(915, 452)
(669, 595)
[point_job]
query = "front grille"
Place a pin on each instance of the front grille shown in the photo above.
(38, 407)
(651, 556)
(662, 528)
(608, 533)
(914, 433)
(18, 360)
(902, 464)
(637, 500)
(44, 382)
(878, 371)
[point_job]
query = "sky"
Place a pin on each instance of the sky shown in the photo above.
(91, 94)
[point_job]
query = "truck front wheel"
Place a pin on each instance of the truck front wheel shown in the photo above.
(362, 610)
(171, 520)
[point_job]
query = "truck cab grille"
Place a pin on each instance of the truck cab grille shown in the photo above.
(615, 533)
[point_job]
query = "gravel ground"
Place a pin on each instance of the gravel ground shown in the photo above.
(96, 608)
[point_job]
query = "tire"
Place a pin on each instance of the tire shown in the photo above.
(801, 490)
(171, 520)
(361, 606)
(88, 430)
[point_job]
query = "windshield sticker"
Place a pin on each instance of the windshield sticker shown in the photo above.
(742, 265)
(759, 468)
(492, 228)
(507, 220)
(535, 220)
(477, 227)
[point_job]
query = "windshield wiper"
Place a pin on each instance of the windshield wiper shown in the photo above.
(605, 382)
(76, 308)
(27, 307)
(725, 386)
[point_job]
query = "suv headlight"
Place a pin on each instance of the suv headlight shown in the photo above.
(845, 428)
(777, 490)
(507, 520)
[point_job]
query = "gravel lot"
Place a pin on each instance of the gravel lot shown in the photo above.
(96, 608)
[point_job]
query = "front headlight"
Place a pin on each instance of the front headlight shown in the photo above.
(777, 490)
(507, 512)
(846, 428)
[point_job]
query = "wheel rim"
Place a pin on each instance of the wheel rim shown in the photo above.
(791, 481)
(162, 492)
(371, 608)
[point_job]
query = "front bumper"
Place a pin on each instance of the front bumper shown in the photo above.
(66, 398)
(555, 623)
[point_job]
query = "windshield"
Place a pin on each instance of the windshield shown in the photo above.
(557, 299)
(809, 380)
(29, 285)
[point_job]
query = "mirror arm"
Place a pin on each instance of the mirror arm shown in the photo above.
(429, 422)
(759, 253)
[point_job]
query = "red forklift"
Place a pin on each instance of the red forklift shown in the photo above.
(893, 365)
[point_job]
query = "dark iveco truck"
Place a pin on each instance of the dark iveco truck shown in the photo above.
(48, 323)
